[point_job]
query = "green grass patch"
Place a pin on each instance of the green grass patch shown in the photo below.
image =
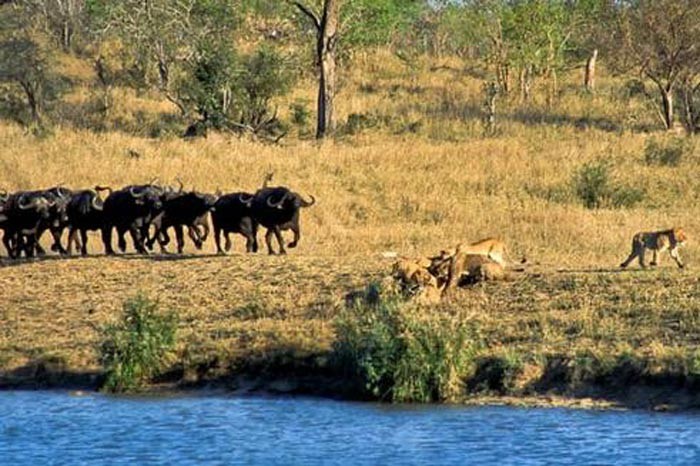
(398, 354)
(138, 347)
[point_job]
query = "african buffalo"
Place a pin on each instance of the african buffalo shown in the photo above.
(131, 209)
(232, 213)
(185, 209)
(25, 213)
(85, 213)
(277, 209)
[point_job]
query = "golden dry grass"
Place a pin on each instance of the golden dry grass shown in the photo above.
(387, 189)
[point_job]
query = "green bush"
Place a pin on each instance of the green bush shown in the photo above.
(300, 113)
(666, 153)
(594, 186)
(592, 183)
(137, 348)
(399, 354)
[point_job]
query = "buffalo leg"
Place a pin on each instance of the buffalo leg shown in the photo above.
(179, 238)
(250, 242)
(7, 241)
(268, 241)
(295, 241)
(217, 239)
(194, 235)
(107, 240)
(121, 241)
(280, 240)
(84, 240)
(56, 233)
(71, 239)
(137, 240)
(205, 231)
(34, 241)
(255, 237)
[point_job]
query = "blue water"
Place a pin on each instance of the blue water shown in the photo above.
(39, 428)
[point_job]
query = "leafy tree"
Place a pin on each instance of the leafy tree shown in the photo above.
(26, 67)
(234, 93)
(659, 39)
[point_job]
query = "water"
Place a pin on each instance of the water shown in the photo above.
(38, 428)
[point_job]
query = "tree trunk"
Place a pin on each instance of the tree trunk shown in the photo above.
(327, 38)
(32, 101)
(503, 75)
(589, 78)
(667, 106)
(524, 79)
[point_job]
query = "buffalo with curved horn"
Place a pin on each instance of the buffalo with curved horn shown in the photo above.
(233, 213)
(131, 209)
(25, 212)
(85, 213)
(277, 209)
(185, 209)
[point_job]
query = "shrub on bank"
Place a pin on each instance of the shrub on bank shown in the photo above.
(399, 354)
(137, 348)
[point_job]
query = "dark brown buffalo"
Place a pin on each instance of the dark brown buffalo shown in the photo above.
(277, 209)
(85, 213)
(183, 210)
(131, 209)
(24, 212)
(232, 213)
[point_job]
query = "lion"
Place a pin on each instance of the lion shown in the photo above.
(414, 272)
(493, 248)
(476, 267)
(657, 242)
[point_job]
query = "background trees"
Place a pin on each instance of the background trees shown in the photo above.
(660, 40)
(225, 63)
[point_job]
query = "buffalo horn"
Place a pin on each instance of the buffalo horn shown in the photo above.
(95, 200)
(22, 205)
(247, 202)
(278, 204)
(103, 188)
(136, 195)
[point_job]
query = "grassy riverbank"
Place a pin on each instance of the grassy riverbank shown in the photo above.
(410, 172)
(267, 323)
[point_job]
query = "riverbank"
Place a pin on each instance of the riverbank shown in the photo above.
(588, 338)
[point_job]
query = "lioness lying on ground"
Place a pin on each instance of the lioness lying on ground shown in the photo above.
(493, 248)
(657, 242)
(475, 267)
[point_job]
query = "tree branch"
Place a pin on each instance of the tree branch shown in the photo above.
(307, 11)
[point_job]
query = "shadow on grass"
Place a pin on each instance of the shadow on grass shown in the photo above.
(8, 262)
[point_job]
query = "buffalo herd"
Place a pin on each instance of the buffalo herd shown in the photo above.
(147, 212)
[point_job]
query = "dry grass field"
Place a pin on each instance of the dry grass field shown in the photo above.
(421, 177)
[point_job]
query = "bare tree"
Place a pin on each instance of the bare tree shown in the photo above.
(326, 26)
(61, 19)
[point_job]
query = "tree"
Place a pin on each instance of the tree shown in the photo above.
(326, 27)
(162, 36)
(659, 39)
(26, 65)
(233, 93)
(61, 19)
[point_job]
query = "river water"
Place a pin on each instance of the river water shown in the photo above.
(47, 427)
